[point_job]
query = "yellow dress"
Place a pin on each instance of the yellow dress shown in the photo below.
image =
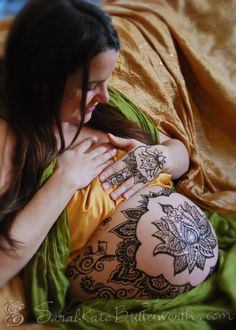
(91, 205)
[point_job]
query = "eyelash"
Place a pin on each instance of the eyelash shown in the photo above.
(92, 88)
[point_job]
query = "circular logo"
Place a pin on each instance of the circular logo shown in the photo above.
(13, 316)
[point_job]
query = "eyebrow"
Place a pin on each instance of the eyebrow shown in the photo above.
(96, 81)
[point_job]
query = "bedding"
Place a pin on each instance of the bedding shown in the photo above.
(178, 66)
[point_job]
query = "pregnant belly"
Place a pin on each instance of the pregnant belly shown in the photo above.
(157, 244)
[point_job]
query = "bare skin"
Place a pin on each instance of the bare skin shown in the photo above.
(89, 157)
(67, 178)
(175, 276)
(75, 169)
(158, 244)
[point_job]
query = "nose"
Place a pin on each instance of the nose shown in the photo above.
(103, 95)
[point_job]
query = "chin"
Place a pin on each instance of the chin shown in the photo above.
(87, 117)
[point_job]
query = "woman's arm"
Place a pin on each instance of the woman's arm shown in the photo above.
(33, 222)
(178, 156)
(144, 163)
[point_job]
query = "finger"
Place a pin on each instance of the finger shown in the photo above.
(133, 190)
(104, 157)
(112, 170)
(116, 179)
(85, 144)
(121, 143)
(129, 183)
(99, 168)
(96, 152)
(104, 165)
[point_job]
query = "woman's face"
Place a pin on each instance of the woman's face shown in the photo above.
(101, 69)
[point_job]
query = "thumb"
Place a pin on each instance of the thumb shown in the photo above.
(121, 143)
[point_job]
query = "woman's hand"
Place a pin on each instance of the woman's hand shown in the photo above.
(142, 164)
(83, 162)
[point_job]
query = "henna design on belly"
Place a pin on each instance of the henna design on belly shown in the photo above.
(186, 235)
(136, 283)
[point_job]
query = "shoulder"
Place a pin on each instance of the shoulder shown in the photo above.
(7, 143)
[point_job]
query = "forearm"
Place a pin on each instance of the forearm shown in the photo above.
(33, 223)
(177, 158)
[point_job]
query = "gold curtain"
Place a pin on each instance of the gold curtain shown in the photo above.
(178, 64)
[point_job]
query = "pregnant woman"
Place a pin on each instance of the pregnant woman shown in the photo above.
(78, 203)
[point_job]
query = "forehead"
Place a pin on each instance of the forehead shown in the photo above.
(101, 68)
(103, 65)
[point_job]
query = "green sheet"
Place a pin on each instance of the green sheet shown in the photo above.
(208, 306)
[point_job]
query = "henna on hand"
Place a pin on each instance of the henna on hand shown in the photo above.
(144, 164)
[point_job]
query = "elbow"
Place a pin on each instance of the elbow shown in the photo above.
(184, 161)
(178, 160)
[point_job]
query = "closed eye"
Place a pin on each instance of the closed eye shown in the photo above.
(92, 86)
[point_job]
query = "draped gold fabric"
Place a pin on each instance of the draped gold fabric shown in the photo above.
(178, 64)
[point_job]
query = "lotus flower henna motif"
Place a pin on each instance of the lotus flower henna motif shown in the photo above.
(186, 235)
(151, 162)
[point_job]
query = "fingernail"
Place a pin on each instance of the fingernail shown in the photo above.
(106, 186)
(113, 152)
(125, 197)
(102, 177)
(113, 195)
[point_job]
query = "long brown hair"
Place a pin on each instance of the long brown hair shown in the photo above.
(48, 40)
(108, 120)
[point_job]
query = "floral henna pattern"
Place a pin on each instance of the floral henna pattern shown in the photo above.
(100, 290)
(152, 162)
(126, 272)
(186, 235)
(144, 163)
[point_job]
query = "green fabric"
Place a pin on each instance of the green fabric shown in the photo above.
(213, 303)
(131, 112)
(45, 271)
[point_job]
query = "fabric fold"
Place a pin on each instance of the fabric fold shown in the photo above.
(177, 64)
(49, 301)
